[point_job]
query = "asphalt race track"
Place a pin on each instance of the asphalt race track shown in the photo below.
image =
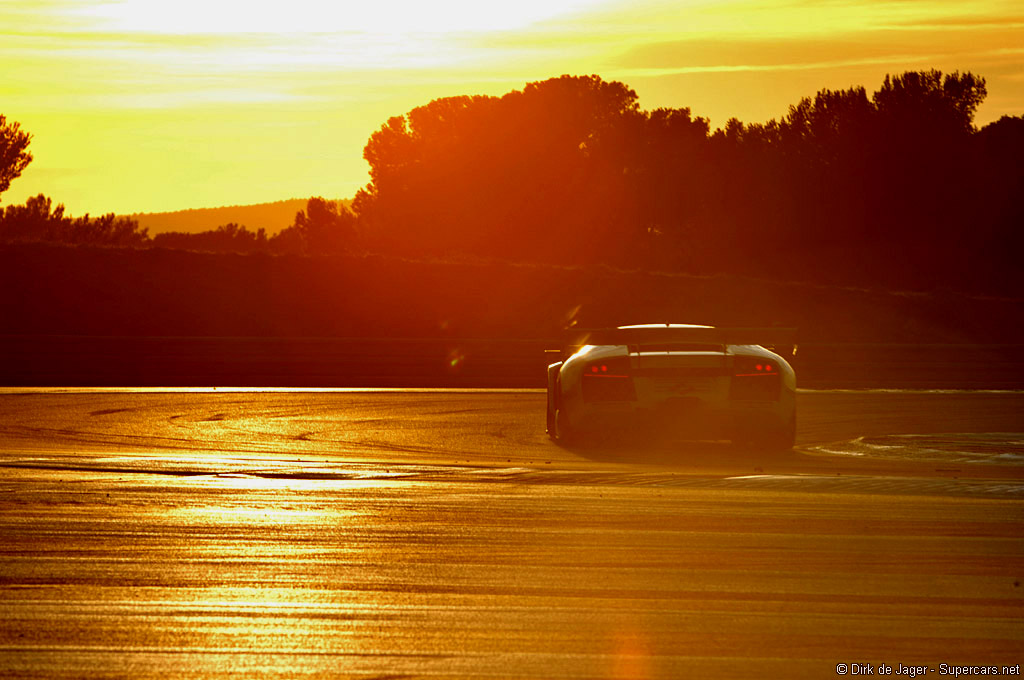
(439, 534)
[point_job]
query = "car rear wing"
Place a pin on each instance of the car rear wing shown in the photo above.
(781, 340)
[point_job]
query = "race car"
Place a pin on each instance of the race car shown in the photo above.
(691, 381)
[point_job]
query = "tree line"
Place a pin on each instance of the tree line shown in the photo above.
(898, 187)
(324, 227)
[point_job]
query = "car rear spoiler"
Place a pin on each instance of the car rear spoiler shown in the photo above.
(783, 339)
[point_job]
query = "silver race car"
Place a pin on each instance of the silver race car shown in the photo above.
(697, 382)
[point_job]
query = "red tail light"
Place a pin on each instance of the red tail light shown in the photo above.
(608, 380)
(753, 366)
(755, 379)
(616, 367)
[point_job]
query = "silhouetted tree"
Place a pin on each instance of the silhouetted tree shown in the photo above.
(326, 227)
(919, 190)
(107, 230)
(323, 228)
(657, 170)
(996, 232)
(14, 157)
(825, 148)
(512, 177)
(930, 103)
(288, 241)
(39, 221)
(227, 238)
(843, 187)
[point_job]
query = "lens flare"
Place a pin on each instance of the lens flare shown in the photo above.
(456, 358)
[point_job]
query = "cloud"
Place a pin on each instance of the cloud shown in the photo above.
(984, 47)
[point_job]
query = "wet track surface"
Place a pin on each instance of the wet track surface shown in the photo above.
(440, 534)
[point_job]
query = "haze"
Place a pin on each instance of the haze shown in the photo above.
(138, 106)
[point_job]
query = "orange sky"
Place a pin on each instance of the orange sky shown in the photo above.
(137, 105)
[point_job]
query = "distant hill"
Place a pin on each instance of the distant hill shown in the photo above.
(273, 217)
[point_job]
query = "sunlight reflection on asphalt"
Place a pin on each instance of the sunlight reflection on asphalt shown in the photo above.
(442, 535)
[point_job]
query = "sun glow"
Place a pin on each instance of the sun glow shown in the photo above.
(317, 16)
(143, 106)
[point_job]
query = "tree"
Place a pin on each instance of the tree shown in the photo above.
(928, 102)
(39, 221)
(327, 227)
(13, 155)
(323, 228)
(999, 185)
(519, 176)
(826, 146)
(227, 238)
(920, 185)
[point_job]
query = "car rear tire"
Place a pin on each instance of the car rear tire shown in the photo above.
(563, 431)
(779, 440)
(782, 440)
(559, 428)
(550, 427)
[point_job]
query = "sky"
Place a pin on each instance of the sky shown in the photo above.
(149, 105)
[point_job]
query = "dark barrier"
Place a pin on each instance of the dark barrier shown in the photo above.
(68, 360)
